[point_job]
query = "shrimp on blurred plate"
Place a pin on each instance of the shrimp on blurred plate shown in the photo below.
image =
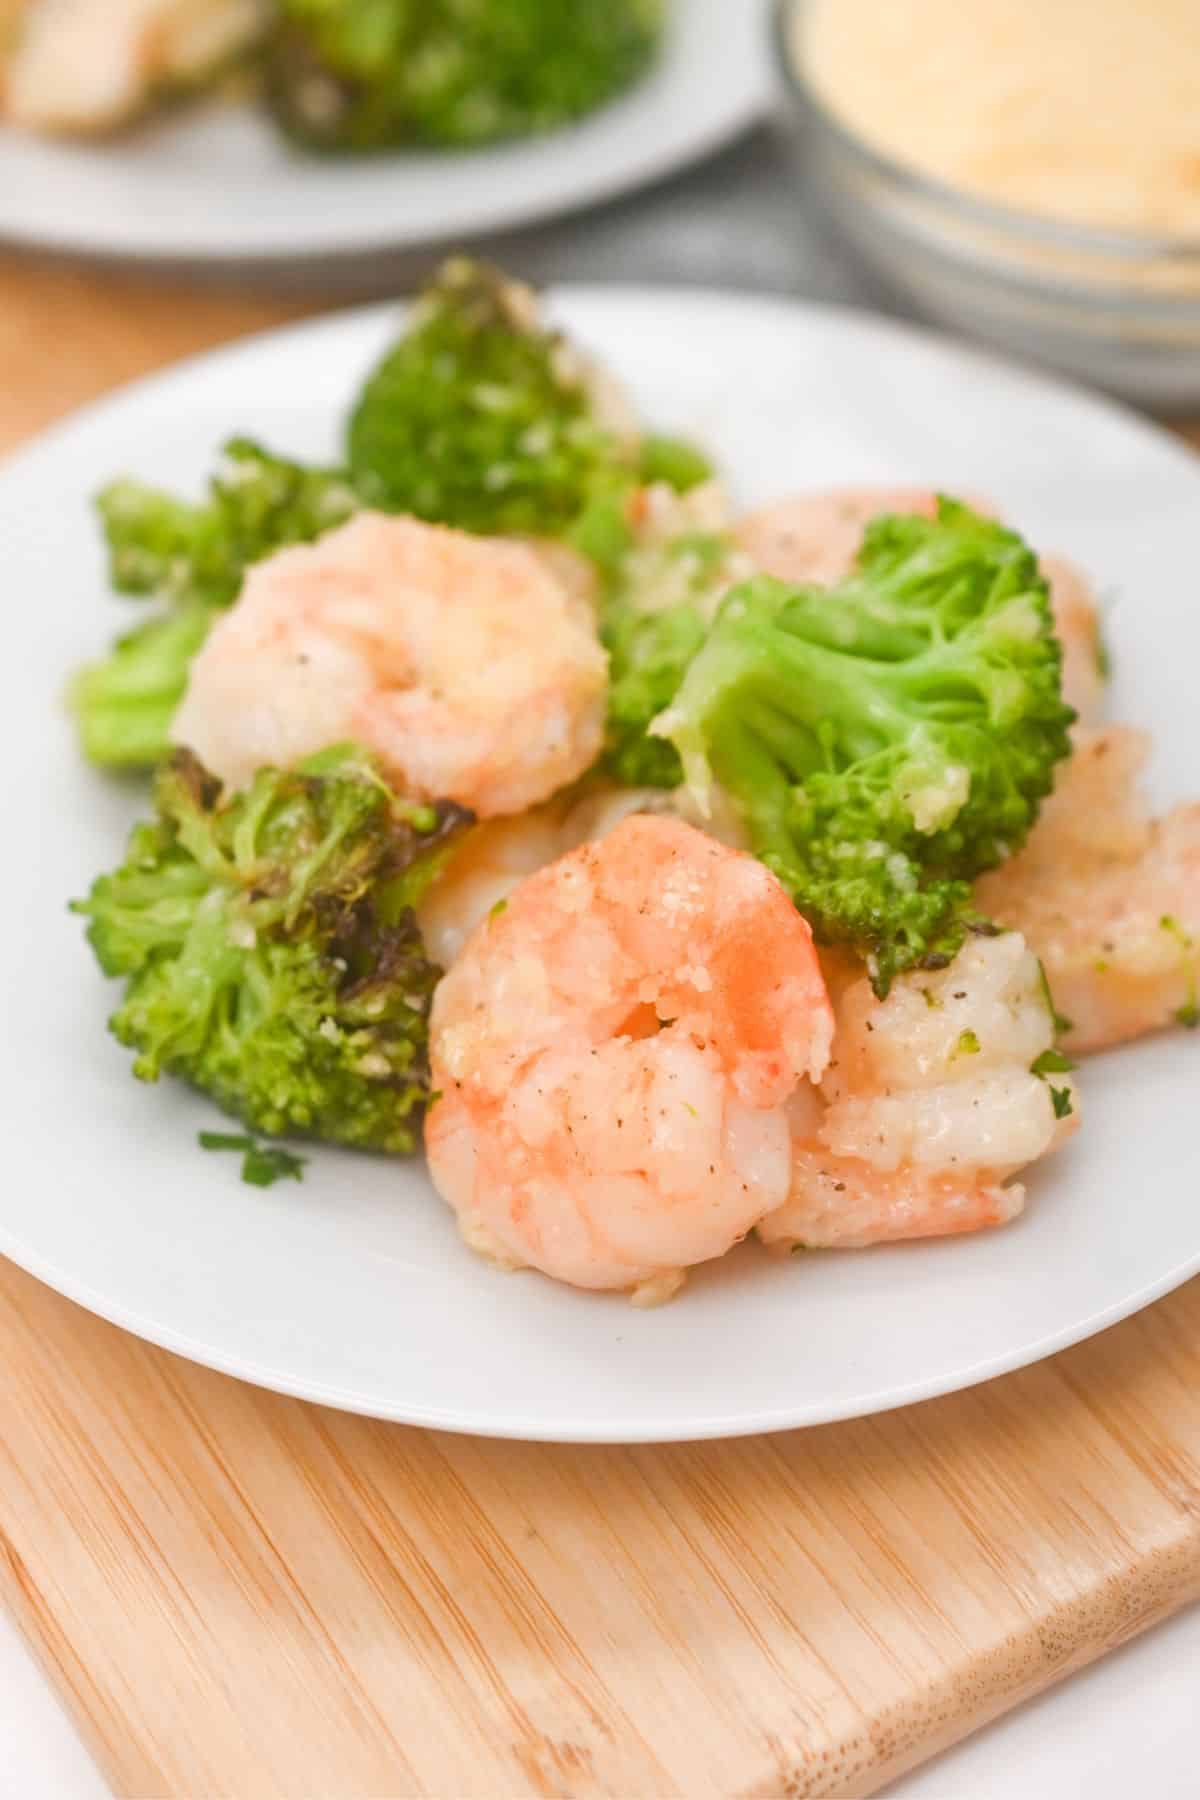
(934, 1099)
(614, 1051)
(1108, 897)
(815, 538)
(91, 65)
(468, 664)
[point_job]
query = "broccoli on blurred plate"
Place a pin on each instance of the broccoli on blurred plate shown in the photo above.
(269, 949)
(367, 74)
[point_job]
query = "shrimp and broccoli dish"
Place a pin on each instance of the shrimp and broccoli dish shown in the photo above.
(335, 76)
(670, 876)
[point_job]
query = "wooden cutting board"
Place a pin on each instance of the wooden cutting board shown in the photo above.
(239, 1594)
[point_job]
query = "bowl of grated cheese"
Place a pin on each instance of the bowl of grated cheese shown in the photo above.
(1027, 171)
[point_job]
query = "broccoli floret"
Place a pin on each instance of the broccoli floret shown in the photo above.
(257, 503)
(652, 624)
(886, 740)
(355, 75)
(481, 418)
(124, 705)
(192, 559)
(672, 461)
(648, 654)
(269, 948)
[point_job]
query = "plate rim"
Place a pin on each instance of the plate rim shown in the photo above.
(130, 242)
(514, 1428)
(840, 314)
(24, 463)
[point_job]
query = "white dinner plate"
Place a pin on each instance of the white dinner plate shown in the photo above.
(353, 1288)
(219, 182)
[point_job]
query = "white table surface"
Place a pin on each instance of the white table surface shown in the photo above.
(1126, 1725)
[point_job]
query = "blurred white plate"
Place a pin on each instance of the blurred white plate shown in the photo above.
(353, 1288)
(220, 183)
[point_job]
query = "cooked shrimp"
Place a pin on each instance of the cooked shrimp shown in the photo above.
(499, 854)
(89, 65)
(816, 537)
(929, 1106)
(463, 662)
(493, 860)
(614, 1051)
(1108, 897)
(1078, 629)
(577, 576)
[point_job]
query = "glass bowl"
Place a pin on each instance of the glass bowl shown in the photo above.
(1117, 309)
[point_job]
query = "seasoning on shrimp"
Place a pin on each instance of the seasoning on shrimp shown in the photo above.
(466, 664)
(936, 1097)
(614, 1052)
(1108, 897)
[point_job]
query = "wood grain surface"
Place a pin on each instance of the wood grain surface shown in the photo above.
(241, 1595)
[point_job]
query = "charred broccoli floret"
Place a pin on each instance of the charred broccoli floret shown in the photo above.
(355, 75)
(269, 948)
(888, 739)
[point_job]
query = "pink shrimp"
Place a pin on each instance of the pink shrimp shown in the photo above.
(929, 1107)
(467, 664)
(1108, 896)
(614, 1051)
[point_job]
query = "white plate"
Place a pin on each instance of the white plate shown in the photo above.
(353, 1288)
(220, 182)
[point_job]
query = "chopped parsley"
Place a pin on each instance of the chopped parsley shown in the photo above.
(262, 1164)
(1188, 1015)
(967, 1045)
(1104, 666)
(1171, 924)
(1061, 1023)
(1053, 1062)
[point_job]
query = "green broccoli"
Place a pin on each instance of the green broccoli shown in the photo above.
(269, 947)
(124, 705)
(652, 623)
(886, 740)
(480, 417)
(360, 75)
(257, 503)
